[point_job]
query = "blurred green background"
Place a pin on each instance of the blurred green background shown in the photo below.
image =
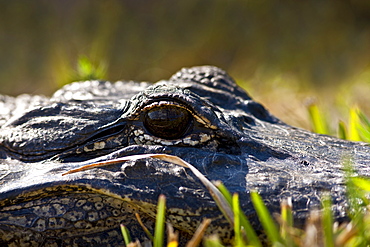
(287, 54)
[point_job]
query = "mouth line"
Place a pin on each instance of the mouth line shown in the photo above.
(216, 194)
(165, 157)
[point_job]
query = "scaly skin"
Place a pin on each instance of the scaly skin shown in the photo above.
(214, 125)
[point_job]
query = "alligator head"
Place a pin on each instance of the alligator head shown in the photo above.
(199, 115)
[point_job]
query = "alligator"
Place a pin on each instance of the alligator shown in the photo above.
(199, 115)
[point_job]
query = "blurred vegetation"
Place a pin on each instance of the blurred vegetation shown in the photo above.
(282, 52)
(356, 128)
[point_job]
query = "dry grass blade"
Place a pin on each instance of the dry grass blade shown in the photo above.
(147, 232)
(173, 236)
(107, 163)
(286, 218)
(216, 194)
(134, 244)
(314, 231)
(348, 232)
(199, 233)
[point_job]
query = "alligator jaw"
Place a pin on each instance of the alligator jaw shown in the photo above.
(74, 216)
(89, 206)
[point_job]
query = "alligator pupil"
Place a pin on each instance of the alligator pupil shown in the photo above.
(167, 122)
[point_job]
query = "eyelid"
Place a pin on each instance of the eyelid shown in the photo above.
(163, 103)
(196, 116)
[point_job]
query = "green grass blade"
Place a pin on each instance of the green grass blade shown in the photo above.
(237, 229)
(318, 121)
(287, 218)
(160, 222)
(212, 241)
(286, 212)
(364, 119)
(265, 218)
(125, 234)
(364, 127)
(352, 191)
(249, 231)
(327, 221)
(342, 130)
(357, 202)
(361, 182)
(354, 123)
(224, 191)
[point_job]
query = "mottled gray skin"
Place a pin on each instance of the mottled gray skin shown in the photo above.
(229, 137)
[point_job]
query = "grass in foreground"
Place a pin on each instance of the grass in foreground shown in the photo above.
(320, 230)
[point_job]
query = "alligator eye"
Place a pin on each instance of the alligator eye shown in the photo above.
(167, 121)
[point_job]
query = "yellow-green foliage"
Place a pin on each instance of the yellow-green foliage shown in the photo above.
(358, 124)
